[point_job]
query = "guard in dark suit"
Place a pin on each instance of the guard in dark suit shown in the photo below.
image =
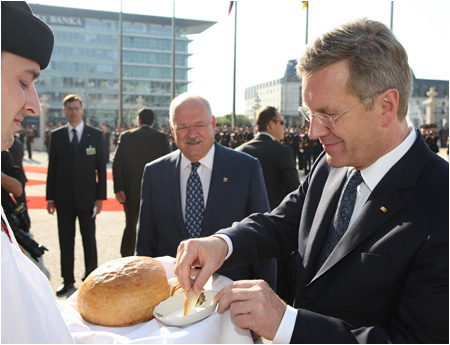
(136, 148)
(232, 182)
(280, 174)
(372, 248)
(280, 178)
(76, 187)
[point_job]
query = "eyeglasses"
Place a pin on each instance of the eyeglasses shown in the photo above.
(185, 128)
(325, 119)
(280, 121)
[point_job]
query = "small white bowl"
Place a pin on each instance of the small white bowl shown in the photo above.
(170, 311)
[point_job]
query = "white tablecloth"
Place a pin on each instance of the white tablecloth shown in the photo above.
(214, 329)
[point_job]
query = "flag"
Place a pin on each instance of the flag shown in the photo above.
(305, 4)
(231, 7)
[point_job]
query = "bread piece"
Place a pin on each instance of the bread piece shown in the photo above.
(175, 287)
(123, 292)
(190, 300)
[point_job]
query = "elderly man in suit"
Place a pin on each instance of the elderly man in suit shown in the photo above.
(372, 254)
(76, 187)
(198, 189)
(136, 148)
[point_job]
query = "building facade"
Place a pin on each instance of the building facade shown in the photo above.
(417, 108)
(86, 60)
(286, 95)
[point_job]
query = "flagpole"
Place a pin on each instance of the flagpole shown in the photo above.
(233, 114)
(173, 50)
(120, 115)
(307, 22)
(392, 15)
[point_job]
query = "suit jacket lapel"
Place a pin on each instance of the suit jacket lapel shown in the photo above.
(384, 197)
(311, 247)
(218, 188)
(383, 203)
(172, 183)
(85, 139)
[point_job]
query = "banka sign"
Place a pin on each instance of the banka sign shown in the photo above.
(62, 20)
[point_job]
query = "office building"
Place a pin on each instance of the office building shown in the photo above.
(86, 60)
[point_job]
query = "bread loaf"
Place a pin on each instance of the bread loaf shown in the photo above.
(123, 292)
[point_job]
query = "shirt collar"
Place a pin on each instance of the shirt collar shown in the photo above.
(79, 128)
(373, 174)
(265, 133)
(207, 161)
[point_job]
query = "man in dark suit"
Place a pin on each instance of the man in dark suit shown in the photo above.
(372, 248)
(232, 188)
(76, 187)
(136, 148)
(280, 177)
(277, 162)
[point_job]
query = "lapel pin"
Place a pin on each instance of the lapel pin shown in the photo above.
(384, 209)
(225, 179)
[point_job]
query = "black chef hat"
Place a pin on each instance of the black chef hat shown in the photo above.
(25, 34)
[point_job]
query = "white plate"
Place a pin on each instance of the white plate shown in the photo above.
(170, 311)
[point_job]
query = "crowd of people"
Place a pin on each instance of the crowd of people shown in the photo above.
(364, 258)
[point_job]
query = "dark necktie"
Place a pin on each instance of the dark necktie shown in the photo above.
(342, 216)
(194, 202)
(74, 142)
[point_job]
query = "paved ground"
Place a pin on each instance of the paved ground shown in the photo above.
(110, 225)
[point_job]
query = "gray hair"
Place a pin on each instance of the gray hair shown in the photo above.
(184, 97)
(377, 61)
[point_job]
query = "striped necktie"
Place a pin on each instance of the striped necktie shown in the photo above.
(342, 216)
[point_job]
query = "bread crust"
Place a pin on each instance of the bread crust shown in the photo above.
(123, 292)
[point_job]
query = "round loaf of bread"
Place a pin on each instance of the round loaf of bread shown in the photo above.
(123, 292)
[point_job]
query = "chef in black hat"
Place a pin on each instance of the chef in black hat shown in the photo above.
(29, 310)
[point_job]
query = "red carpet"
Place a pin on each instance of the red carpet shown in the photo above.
(39, 202)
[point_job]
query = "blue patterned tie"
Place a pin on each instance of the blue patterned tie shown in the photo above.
(194, 202)
(342, 217)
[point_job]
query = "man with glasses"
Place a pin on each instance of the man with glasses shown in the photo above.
(277, 161)
(372, 248)
(216, 184)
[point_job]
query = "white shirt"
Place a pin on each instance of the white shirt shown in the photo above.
(30, 313)
(265, 133)
(204, 171)
(79, 128)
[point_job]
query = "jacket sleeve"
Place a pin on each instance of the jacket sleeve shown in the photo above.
(50, 190)
(101, 168)
(258, 201)
(117, 166)
(146, 233)
(289, 173)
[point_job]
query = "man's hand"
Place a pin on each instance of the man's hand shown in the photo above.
(97, 207)
(207, 253)
(51, 207)
(253, 305)
(120, 197)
